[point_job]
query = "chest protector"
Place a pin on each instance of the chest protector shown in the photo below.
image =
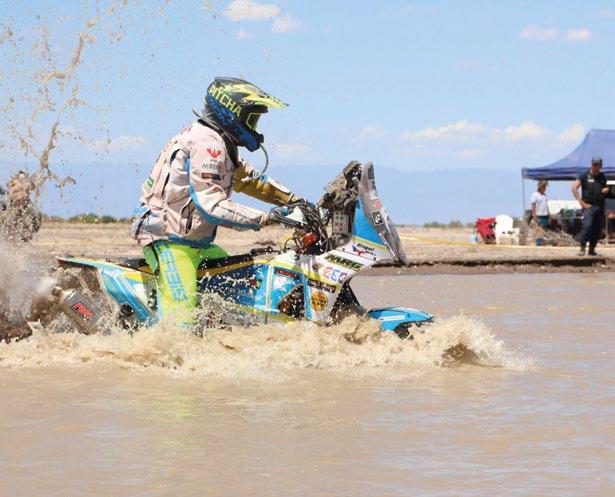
(153, 189)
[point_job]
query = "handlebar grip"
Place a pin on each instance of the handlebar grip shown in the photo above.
(279, 215)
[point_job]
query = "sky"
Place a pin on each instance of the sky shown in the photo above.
(413, 86)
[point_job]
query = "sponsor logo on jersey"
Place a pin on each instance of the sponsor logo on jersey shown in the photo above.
(211, 165)
(214, 153)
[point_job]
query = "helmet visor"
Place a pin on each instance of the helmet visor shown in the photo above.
(252, 120)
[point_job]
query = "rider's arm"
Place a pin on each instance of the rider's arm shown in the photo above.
(263, 188)
(208, 193)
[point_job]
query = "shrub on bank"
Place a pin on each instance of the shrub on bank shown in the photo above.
(46, 218)
(454, 224)
(87, 218)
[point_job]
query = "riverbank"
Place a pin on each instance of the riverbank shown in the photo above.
(431, 250)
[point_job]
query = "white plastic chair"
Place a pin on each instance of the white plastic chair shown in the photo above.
(504, 228)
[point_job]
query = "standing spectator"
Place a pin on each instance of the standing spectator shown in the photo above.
(4, 200)
(22, 218)
(540, 209)
(594, 191)
(20, 186)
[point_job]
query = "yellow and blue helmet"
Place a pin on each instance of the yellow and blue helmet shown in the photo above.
(236, 106)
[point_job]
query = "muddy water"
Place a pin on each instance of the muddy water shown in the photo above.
(312, 412)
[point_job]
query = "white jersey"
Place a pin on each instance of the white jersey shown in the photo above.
(187, 195)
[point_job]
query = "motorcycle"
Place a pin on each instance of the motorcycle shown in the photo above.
(308, 278)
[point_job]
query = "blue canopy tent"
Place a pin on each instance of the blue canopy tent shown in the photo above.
(598, 142)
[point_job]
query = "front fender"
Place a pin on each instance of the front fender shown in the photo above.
(391, 317)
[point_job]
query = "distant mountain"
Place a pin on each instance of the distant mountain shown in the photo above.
(419, 197)
(411, 197)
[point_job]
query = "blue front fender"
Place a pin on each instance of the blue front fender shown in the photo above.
(391, 317)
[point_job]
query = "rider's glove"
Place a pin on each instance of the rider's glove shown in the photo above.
(293, 198)
(266, 220)
(274, 215)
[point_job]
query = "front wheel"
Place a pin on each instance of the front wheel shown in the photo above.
(406, 331)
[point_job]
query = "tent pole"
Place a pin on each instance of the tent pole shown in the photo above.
(523, 194)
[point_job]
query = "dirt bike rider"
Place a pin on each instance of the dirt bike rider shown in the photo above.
(187, 195)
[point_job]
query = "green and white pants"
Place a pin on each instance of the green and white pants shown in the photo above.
(175, 267)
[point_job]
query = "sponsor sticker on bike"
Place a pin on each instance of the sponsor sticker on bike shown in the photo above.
(342, 261)
(319, 285)
(83, 310)
(377, 218)
(340, 222)
(333, 274)
(319, 301)
(363, 250)
(288, 274)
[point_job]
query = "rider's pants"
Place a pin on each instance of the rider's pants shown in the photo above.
(175, 267)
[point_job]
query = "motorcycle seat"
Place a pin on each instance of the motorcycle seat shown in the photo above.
(139, 263)
(226, 261)
(136, 263)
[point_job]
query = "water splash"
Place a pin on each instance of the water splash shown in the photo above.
(44, 90)
(17, 286)
(271, 352)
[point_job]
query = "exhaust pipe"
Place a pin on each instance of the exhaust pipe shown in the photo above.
(78, 308)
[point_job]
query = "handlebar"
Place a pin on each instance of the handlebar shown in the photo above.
(309, 223)
(281, 215)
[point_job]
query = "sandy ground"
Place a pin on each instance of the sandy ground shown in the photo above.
(430, 250)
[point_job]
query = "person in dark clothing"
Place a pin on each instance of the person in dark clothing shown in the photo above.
(594, 190)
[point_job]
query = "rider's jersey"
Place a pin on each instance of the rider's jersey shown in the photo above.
(187, 195)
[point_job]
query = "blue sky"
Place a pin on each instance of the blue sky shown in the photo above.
(416, 86)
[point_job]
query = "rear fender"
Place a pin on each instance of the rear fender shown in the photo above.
(126, 286)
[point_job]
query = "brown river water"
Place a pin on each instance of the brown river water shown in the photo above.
(343, 411)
